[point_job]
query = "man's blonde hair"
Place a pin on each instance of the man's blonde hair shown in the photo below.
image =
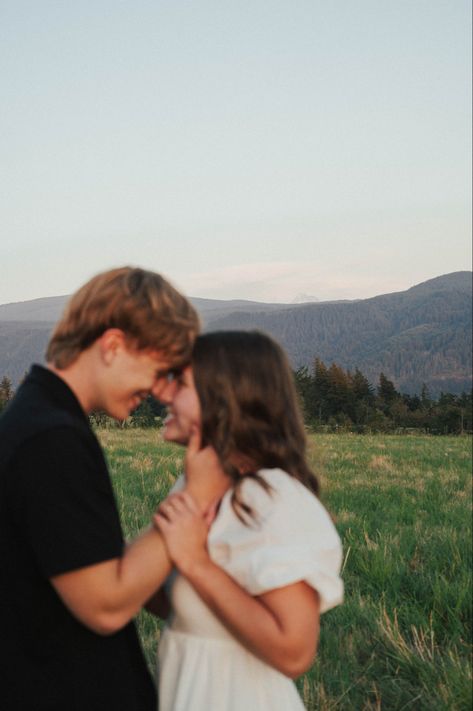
(152, 314)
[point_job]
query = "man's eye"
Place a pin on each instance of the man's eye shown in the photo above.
(173, 376)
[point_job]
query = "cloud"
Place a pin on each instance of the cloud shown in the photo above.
(283, 281)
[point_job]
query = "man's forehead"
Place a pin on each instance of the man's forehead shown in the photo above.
(165, 363)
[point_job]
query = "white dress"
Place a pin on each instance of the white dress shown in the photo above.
(201, 667)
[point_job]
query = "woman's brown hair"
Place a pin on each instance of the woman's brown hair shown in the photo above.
(147, 308)
(250, 408)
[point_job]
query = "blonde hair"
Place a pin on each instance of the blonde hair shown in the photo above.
(152, 314)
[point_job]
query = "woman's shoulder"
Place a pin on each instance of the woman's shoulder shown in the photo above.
(279, 488)
(289, 538)
(278, 481)
(287, 503)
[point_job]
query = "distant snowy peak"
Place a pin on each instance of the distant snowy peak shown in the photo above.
(305, 299)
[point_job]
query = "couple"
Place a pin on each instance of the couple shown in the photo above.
(244, 604)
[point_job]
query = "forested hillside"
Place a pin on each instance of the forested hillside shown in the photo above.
(422, 335)
(21, 343)
(415, 337)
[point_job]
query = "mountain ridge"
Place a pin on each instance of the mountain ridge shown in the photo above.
(419, 335)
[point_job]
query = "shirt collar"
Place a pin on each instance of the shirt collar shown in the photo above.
(58, 388)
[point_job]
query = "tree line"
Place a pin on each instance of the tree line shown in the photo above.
(150, 413)
(337, 400)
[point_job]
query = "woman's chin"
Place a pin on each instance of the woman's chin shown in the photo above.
(170, 434)
(173, 434)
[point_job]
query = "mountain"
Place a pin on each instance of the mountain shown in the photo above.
(46, 310)
(49, 309)
(25, 327)
(421, 335)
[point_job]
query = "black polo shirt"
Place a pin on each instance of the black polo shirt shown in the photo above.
(58, 514)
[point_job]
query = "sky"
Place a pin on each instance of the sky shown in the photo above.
(277, 151)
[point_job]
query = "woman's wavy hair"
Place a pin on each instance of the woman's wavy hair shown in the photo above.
(250, 409)
(145, 306)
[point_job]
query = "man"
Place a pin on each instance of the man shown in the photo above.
(68, 587)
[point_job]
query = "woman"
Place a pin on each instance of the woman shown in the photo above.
(246, 601)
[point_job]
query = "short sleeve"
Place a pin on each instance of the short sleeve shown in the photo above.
(65, 502)
(178, 485)
(292, 539)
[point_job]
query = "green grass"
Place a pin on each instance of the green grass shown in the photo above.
(402, 505)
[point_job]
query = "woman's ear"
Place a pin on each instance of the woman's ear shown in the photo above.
(243, 463)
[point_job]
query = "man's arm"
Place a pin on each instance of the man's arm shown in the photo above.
(66, 505)
(106, 596)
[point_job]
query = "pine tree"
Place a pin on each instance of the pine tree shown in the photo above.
(321, 387)
(6, 391)
(425, 400)
(305, 387)
(387, 394)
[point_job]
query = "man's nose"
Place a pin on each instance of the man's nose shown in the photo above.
(164, 390)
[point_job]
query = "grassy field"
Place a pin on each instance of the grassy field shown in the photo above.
(402, 505)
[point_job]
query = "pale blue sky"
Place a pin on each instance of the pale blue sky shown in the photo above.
(253, 149)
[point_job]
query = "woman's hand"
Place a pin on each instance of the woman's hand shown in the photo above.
(205, 478)
(184, 528)
(279, 626)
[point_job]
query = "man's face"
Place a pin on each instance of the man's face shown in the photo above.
(183, 408)
(131, 376)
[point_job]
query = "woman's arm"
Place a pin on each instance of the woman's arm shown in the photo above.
(280, 626)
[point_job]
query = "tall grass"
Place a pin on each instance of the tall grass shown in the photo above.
(402, 505)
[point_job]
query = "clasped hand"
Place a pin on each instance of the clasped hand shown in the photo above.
(184, 518)
(184, 527)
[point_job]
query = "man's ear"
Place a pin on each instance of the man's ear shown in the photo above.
(110, 343)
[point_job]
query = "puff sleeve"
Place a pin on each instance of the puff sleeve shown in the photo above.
(291, 539)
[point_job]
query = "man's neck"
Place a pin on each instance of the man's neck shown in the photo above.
(75, 380)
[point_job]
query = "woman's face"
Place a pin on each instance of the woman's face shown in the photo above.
(183, 408)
